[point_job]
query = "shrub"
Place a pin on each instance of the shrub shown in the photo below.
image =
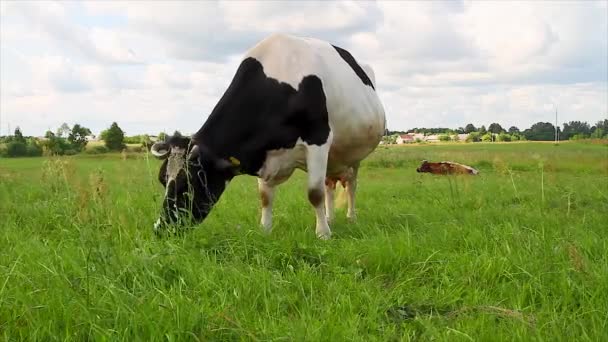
(70, 152)
(16, 149)
(487, 137)
(444, 137)
(504, 137)
(3, 150)
(33, 150)
(473, 137)
(137, 149)
(99, 149)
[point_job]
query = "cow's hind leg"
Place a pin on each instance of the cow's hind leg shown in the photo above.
(316, 160)
(266, 191)
(330, 188)
(351, 189)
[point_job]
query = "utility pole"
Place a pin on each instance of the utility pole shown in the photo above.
(556, 138)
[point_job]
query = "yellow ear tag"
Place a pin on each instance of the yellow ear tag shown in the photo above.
(234, 161)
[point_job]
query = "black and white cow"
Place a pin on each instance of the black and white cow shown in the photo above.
(294, 103)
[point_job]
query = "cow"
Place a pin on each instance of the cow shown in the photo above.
(445, 168)
(293, 103)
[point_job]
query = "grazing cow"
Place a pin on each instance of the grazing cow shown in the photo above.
(446, 167)
(294, 103)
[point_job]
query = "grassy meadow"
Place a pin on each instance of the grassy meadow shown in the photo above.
(516, 253)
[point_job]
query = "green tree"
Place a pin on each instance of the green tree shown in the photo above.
(114, 137)
(495, 128)
(572, 128)
(598, 133)
(540, 131)
(513, 130)
(482, 130)
(63, 130)
(602, 124)
(54, 145)
(469, 128)
(78, 137)
(18, 136)
(486, 137)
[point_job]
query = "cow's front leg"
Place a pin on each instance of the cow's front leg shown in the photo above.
(266, 196)
(316, 160)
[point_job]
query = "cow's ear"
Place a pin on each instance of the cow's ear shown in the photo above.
(160, 150)
(194, 153)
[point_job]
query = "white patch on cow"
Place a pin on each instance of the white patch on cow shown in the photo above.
(473, 170)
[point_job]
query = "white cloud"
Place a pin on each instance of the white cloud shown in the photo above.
(163, 65)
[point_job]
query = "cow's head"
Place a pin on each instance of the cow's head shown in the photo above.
(424, 167)
(194, 179)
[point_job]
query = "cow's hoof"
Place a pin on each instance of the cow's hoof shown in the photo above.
(324, 235)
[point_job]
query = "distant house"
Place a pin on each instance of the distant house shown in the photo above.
(409, 138)
(405, 139)
(417, 136)
(432, 138)
(462, 137)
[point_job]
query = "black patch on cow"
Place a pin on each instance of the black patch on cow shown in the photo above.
(348, 58)
(258, 113)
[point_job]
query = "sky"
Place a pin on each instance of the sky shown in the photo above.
(162, 66)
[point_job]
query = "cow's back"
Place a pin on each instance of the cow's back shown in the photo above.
(356, 115)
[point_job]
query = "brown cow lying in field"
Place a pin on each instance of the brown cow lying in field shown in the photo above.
(445, 167)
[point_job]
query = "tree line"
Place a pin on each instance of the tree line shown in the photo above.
(68, 140)
(540, 131)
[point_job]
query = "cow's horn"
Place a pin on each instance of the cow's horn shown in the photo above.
(160, 150)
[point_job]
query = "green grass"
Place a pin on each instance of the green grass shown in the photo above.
(516, 253)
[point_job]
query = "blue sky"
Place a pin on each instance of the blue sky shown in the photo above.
(160, 66)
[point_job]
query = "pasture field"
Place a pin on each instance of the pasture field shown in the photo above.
(519, 252)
